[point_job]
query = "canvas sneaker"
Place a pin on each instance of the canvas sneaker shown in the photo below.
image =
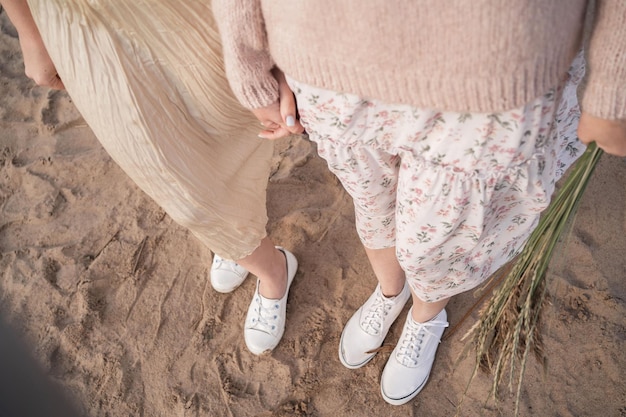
(226, 275)
(408, 367)
(367, 328)
(265, 321)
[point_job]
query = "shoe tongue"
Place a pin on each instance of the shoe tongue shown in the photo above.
(432, 322)
(428, 328)
(267, 302)
(372, 322)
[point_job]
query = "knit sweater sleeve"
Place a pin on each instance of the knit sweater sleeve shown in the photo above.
(605, 93)
(246, 55)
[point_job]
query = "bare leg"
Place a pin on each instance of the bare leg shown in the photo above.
(391, 278)
(269, 265)
(423, 311)
(387, 270)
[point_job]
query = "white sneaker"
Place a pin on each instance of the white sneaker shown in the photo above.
(265, 321)
(408, 367)
(367, 328)
(226, 275)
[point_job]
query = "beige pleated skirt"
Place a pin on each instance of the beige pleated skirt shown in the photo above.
(148, 78)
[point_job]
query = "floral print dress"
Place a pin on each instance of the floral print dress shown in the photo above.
(457, 194)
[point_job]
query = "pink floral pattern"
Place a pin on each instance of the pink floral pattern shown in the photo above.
(457, 194)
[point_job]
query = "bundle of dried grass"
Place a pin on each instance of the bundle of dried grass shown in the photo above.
(508, 329)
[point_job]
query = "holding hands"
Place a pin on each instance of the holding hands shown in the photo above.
(279, 118)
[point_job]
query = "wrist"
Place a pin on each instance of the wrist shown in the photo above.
(29, 36)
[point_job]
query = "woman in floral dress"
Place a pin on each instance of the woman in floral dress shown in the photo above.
(447, 122)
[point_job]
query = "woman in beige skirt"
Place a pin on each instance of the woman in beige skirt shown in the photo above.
(148, 78)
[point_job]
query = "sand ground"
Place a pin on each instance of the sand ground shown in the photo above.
(114, 300)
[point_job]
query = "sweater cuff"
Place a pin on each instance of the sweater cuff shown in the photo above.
(605, 101)
(258, 91)
(605, 93)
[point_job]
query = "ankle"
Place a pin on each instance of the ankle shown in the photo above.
(273, 285)
(423, 316)
(391, 291)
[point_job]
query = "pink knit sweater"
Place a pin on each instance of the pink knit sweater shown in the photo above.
(458, 55)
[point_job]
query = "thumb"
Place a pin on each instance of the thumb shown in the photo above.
(288, 113)
(288, 106)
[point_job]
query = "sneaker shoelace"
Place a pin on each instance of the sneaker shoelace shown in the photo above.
(220, 263)
(374, 320)
(266, 315)
(411, 345)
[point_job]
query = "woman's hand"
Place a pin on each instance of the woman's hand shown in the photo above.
(609, 135)
(37, 63)
(279, 118)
